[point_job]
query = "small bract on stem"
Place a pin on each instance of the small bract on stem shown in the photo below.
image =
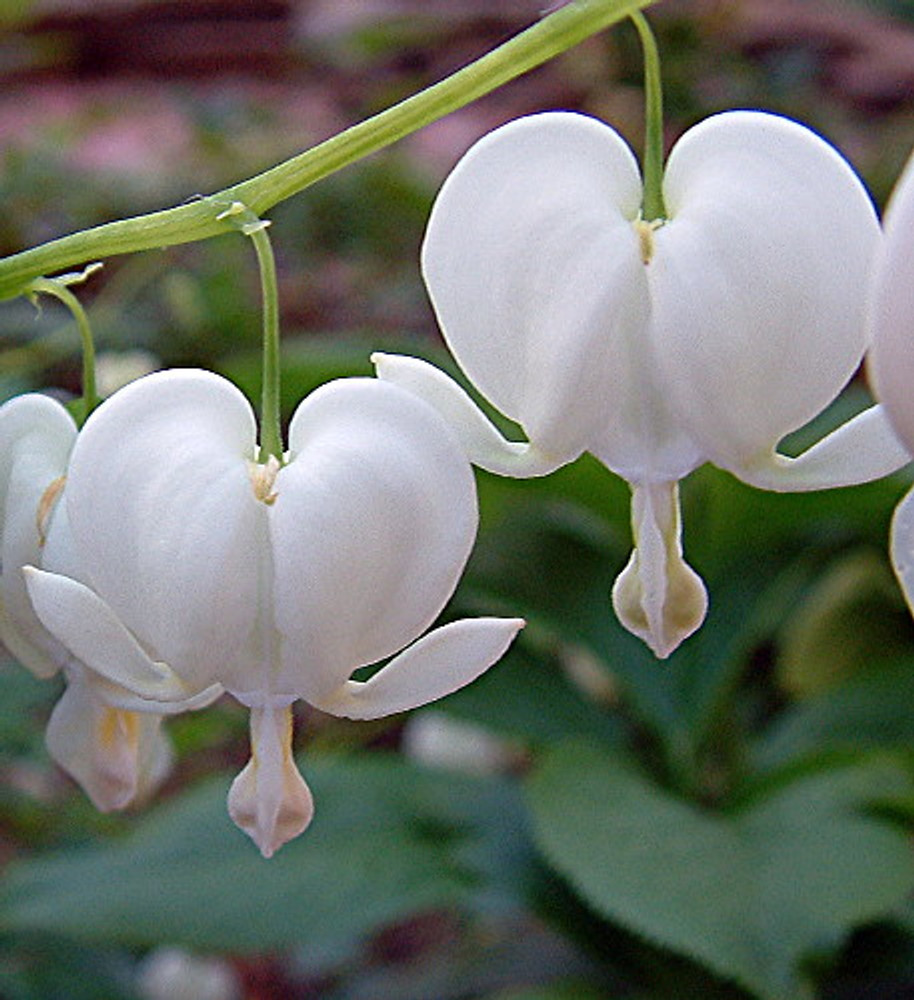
(59, 288)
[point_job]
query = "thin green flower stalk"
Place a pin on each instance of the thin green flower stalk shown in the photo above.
(652, 206)
(58, 288)
(248, 223)
(554, 34)
(270, 417)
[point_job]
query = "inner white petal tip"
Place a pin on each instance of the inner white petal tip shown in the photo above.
(658, 596)
(664, 620)
(270, 820)
(269, 799)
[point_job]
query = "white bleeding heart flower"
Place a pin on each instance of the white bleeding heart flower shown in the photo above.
(205, 563)
(891, 356)
(655, 345)
(119, 756)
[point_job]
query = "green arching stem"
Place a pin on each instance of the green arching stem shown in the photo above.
(554, 34)
(652, 207)
(59, 291)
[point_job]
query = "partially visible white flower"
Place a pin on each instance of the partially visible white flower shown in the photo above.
(655, 344)
(117, 756)
(891, 357)
(115, 369)
(175, 974)
(203, 562)
(588, 673)
(438, 740)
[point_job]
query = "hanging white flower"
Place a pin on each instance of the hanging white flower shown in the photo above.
(117, 755)
(654, 344)
(207, 563)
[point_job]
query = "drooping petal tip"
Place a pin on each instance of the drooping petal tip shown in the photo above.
(76, 616)
(483, 443)
(441, 662)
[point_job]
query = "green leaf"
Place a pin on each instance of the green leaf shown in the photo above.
(510, 698)
(553, 561)
(25, 703)
(388, 840)
(870, 710)
(556, 991)
(42, 968)
(751, 895)
(853, 608)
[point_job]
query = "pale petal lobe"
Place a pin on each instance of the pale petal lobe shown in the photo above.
(163, 514)
(374, 521)
(529, 250)
(36, 437)
(901, 546)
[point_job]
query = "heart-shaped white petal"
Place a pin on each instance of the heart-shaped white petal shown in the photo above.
(373, 522)
(758, 280)
(655, 344)
(534, 266)
(165, 520)
(184, 565)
